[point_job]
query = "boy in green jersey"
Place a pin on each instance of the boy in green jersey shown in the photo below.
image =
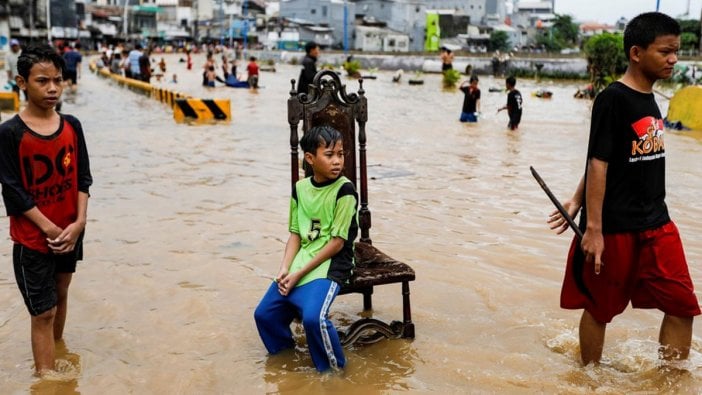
(318, 256)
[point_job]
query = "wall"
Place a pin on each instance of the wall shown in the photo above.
(428, 63)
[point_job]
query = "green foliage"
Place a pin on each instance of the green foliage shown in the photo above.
(562, 34)
(547, 41)
(451, 77)
(352, 68)
(689, 41)
(605, 59)
(499, 41)
(689, 26)
(565, 31)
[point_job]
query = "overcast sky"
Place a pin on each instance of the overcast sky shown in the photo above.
(609, 11)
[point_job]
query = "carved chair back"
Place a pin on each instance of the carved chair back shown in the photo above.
(328, 103)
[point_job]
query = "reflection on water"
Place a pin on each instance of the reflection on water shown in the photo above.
(187, 226)
(379, 367)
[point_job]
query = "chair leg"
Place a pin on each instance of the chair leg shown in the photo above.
(368, 299)
(408, 330)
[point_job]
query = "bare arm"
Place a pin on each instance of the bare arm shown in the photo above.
(66, 241)
(329, 250)
(291, 249)
(44, 223)
(593, 241)
(572, 205)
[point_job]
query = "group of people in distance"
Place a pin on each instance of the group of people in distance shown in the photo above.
(471, 102)
(630, 252)
(231, 78)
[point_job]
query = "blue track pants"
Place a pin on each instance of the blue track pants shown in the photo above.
(311, 301)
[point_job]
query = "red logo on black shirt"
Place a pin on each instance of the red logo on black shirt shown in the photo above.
(43, 184)
(649, 144)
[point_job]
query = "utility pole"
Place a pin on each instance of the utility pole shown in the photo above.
(196, 6)
(48, 20)
(221, 22)
(346, 27)
(125, 25)
(245, 11)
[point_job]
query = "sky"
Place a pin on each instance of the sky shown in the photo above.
(609, 11)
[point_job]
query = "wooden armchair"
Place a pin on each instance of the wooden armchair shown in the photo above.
(327, 103)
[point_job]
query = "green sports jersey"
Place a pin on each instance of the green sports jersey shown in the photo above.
(319, 212)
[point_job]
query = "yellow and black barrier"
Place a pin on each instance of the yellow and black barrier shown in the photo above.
(202, 110)
(9, 101)
(185, 108)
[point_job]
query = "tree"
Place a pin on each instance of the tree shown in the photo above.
(689, 41)
(605, 59)
(499, 40)
(565, 31)
(548, 41)
(690, 37)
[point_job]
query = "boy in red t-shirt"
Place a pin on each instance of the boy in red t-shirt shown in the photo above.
(252, 70)
(45, 177)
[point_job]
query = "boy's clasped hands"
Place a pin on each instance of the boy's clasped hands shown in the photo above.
(287, 281)
(65, 239)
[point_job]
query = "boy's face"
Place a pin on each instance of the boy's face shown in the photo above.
(44, 85)
(327, 162)
(657, 60)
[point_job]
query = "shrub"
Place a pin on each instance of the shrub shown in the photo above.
(451, 77)
(352, 68)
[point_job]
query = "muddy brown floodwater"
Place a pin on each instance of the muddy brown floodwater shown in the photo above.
(187, 225)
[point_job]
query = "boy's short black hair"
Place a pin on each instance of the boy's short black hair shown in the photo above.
(38, 53)
(511, 81)
(252, 59)
(310, 46)
(645, 28)
(318, 136)
(473, 78)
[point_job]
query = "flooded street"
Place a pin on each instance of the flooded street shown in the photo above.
(187, 226)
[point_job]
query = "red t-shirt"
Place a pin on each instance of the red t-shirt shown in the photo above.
(46, 172)
(252, 69)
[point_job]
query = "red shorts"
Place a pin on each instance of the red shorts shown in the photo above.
(647, 268)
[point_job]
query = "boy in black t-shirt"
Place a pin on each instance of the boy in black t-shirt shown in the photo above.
(471, 101)
(514, 104)
(309, 67)
(631, 250)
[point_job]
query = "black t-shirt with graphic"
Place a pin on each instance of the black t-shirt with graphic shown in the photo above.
(514, 106)
(471, 98)
(627, 133)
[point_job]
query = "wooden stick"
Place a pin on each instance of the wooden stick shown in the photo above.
(558, 205)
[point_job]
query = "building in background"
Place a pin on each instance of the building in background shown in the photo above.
(380, 39)
(329, 15)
